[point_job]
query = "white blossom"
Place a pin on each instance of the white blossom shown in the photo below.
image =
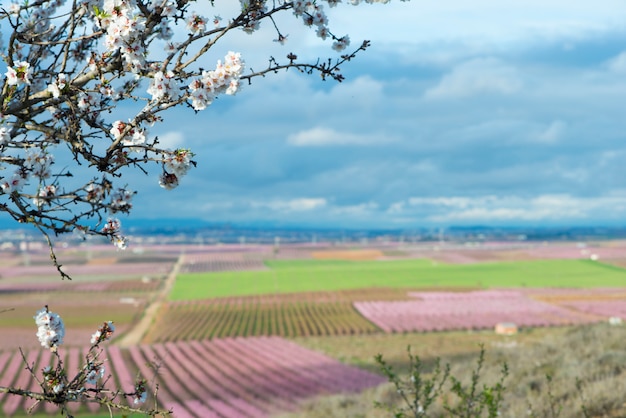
(18, 74)
(58, 85)
(4, 135)
(51, 329)
(341, 43)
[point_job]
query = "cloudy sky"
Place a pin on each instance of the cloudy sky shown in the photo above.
(461, 113)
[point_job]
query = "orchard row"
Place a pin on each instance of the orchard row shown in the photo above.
(228, 378)
(382, 310)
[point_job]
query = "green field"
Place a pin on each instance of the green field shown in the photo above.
(322, 275)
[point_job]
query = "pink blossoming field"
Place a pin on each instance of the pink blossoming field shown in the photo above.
(237, 356)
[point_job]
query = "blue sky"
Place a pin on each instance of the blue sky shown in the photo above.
(481, 112)
(461, 112)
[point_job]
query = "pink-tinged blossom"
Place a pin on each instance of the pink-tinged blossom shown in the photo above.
(171, 47)
(13, 184)
(233, 87)
(112, 229)
(44, 195)
(39, 162)
(163, 85)
(178, 162)
(196, 23)
(19, 74)
(103, 333)
(80, 232)
(130, 136)
(322, 32)
(88, 101)
(124, 31)
(94, 193)
(118, 128)
(134, 138)
(112, 226)
(223, 80)
(120, 200)
(107, 90)
(92, 62)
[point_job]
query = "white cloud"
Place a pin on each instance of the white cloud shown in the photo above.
(367, 208)
(548, 207)
(292, 205)
(327, 137)
(171, 140)
(617, 64)
(477, 76)
(494, 22)
(456, 202)
(553, 133)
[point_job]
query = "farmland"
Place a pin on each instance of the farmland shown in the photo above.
(317, 275)
(249, 331)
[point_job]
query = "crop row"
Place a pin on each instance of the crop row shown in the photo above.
(609, 308)
(227, 378)
(114, 286)
(440, 311)
(90, 271)
(221, 262)
(217, 261)
(255, 317)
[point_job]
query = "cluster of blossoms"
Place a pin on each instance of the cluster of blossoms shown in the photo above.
(120, 201)
(51, 329)
(164, 86)
(44, 195)
(124, 31)
(94, 193)
(224, 79)
(37, 163)
(128, 135)
(89, 102)
(55, 379)
(254, 10)
(175, 165)
(312, 14)
(112, 229)
(95, 371)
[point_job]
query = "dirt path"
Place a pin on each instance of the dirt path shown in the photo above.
(134, 335)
